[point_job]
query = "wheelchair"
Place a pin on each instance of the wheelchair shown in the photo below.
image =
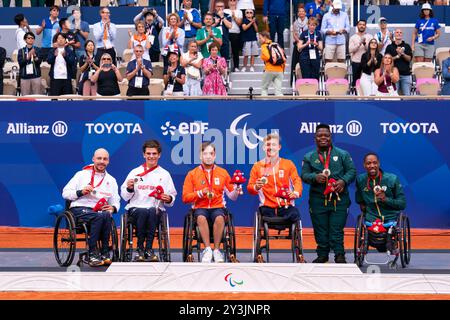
(400, 242)
(262, 226)
(192, 238)
(68, 231)
(128, 233)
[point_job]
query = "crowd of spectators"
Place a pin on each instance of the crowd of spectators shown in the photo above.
(199, 49)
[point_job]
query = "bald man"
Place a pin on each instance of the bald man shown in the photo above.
(94, 196)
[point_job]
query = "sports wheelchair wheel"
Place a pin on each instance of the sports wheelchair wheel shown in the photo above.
(126, 239)
(297, 242)
(404, 240)
(257, 238)
(360, 241)
(229, 241)
(188, 234)
(64, 239)
(164, 238)
(114, 242)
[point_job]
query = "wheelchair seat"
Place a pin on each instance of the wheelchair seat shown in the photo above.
(277, 221)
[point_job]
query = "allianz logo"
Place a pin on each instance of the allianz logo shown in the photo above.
(58, 129)
(353, 128)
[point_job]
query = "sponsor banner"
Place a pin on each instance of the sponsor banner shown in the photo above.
(44, 144)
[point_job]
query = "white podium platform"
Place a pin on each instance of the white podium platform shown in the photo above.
(227, 277)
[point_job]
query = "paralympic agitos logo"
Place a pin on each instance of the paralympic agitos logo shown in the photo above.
(233, 283)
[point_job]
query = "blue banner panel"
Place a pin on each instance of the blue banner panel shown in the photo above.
(43, 144)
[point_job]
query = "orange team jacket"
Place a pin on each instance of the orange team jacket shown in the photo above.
(283, 173)
(197, 180)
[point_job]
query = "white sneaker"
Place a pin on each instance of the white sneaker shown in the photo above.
(218, 256)
(244, 69)
(236, 70)
(252, 69)
(207, 255)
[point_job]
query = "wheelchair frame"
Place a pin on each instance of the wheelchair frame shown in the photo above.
(128, 228)
(68, 231)
(402, 235)
(261, 232)
(192, 238)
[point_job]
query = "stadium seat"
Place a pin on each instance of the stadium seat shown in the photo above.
(427, 87)
(123, 86)
(156, 87)
(10, 67)
(423, 70)
(358, 88)
(126, 55)
(337, 87)
(158, 69)
(335, 70)
(45, 70)
(307, 87)
(10, 87)
(14, 55)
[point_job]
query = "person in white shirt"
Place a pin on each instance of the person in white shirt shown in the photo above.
(235, 31)
(143, 208)
(384, 36)
(87, 191)
(23, 28)
(358, 45)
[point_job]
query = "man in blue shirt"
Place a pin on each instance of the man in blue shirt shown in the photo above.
(139, 72)
(50, 27)
(190, 22)
(274, 12)
(104, 35)
(81, 30)
(153, 25)
(335, 25)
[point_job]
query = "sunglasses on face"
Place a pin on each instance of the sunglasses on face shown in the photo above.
(108, 59)
(106, 12)
(30, 38)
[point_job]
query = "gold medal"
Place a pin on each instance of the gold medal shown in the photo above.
(210, 195)
(264, 180)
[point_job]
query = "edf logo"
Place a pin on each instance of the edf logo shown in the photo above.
(197, 127)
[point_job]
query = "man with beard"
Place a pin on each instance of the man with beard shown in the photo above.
(89, 188)
(357, 47)
(329, 171)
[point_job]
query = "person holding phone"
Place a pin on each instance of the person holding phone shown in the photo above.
(214, 68)
(87, 67)
(107, 77)
(192, 62)
(174, 76)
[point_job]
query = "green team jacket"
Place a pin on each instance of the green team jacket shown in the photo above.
(341, 167)
(395, 197)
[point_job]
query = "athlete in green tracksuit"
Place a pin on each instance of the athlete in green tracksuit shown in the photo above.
(379, 193)
(322, 168)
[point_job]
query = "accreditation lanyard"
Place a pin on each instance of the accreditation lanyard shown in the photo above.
(30, 66)
(315, 38)
(374, 180)
(146, 170)
(209, 181)
(92, 179)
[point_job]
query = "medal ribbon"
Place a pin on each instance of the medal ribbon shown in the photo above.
(326, 164)
(146, 171)
(209, 182)
(92, 179)
(380, 176)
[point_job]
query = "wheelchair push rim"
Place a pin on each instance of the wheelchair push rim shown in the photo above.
(64, 239)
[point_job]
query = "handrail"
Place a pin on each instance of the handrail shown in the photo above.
(239, 97)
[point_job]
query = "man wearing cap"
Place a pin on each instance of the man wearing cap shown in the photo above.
(384, 36)
(86, 190)
(426, 31)
(329, 170)
(401, 53)
(335, 25)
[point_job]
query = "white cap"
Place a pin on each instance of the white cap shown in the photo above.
(337, 4)
(426, 6)
(382, 19)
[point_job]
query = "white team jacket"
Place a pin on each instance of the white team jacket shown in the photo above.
(108, 189)
(146, 184)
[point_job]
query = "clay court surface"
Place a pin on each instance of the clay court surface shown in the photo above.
(425, 241)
